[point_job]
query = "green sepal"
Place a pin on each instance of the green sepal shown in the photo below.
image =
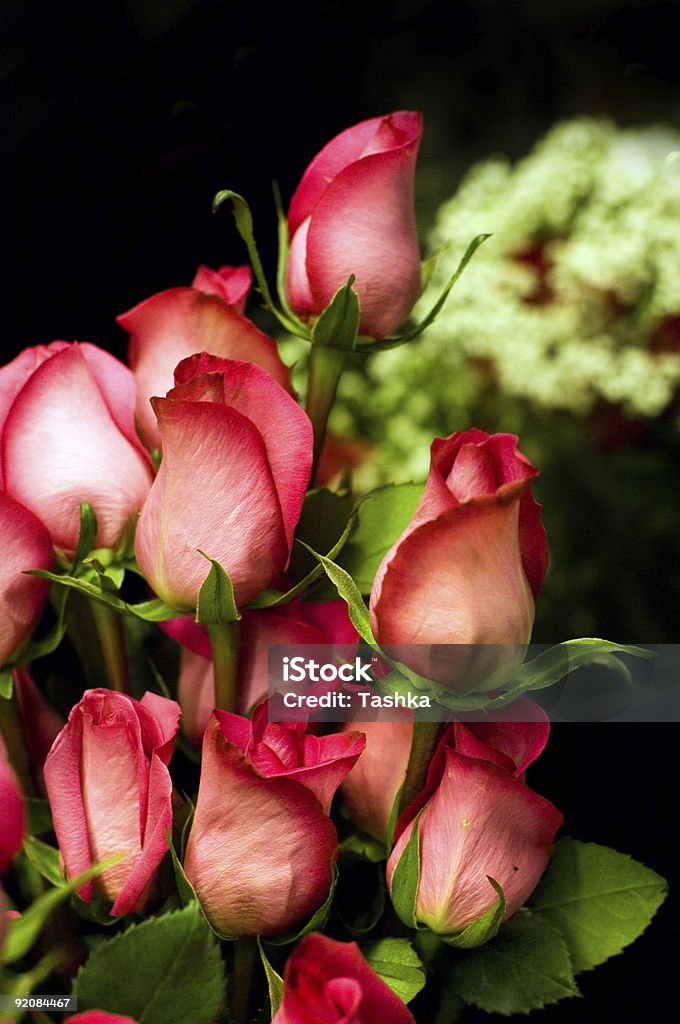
(6, 685)
(45, 859)
(274, 981)
(394, 818)
(282, 260)
(25, 930)
(411, 335)
(166, 970)
(484, 928)
(151, 611)
(397, 963)
(349, 592)
(216, 605)
(338, 324)
(406, 877)
(87, 535)
(185, 890)
(316, 923)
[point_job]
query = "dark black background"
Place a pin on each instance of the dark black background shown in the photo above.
(120, 122)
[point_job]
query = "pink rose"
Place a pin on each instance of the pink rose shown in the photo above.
(300, 622)
(237, 453)
(468, 568)
(479, 820)
(261, 850)
(11, 812)
(110, 791)
(25, 544)
(69, 436)
(519, 732)
(331, 981)
(174, 324)
(353, 213)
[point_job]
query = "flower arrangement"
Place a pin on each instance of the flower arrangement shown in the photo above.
(179, 849)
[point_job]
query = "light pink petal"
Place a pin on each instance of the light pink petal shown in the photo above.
(165, 715)
(370, 789)
(374, 135)
(25, 544)
(14, 375)
(214, 492)
(116, 383)
(236, 730)
(11, 815)
(62, 781)
(62, 447)
(337, 756)
(260, 851)
(196, 694)
(174, 324)
(430, 595)
(229, 283)
(522, 740)
(298, 292)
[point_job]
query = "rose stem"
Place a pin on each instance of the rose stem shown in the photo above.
(325, 370)
(224, 641)
(109, 627)
(11, 729)
(245, 952)
(425, 736)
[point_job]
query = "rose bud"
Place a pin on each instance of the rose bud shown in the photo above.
(467, 569)
(262, 847)
(237, 454)
(25, 545)
(331, 981)
(110, 791)
(11, 812)
(299, 622)
(69, 437)
(477, 821)
(518, 732)
(353, 213)
(174, 324)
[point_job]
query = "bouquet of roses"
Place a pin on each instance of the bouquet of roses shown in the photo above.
(176, 844)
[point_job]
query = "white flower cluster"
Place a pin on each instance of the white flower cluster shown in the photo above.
(572, 298)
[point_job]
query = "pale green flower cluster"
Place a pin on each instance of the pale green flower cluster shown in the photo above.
(561, 307)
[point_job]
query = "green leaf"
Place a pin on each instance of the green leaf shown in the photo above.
(6, 685)
(338, 324)
(274, 981)
(282, 261)
(45, 859)
(185, 889)
(394, 818)
(381, 519)
(599, 899)
(398, 964)
(406, 876)
(24, 931)
(349, 592)
(558, 661)
(108, 577)
(216, 604)
(484, 928)
(167, 970)
(323, 521)
(437, 308)
(525, 968)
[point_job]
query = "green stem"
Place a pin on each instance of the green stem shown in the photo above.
(245, 955)
(13, 733)
(326, 365)
(224, 640)
(109, 626)
(425, 736)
